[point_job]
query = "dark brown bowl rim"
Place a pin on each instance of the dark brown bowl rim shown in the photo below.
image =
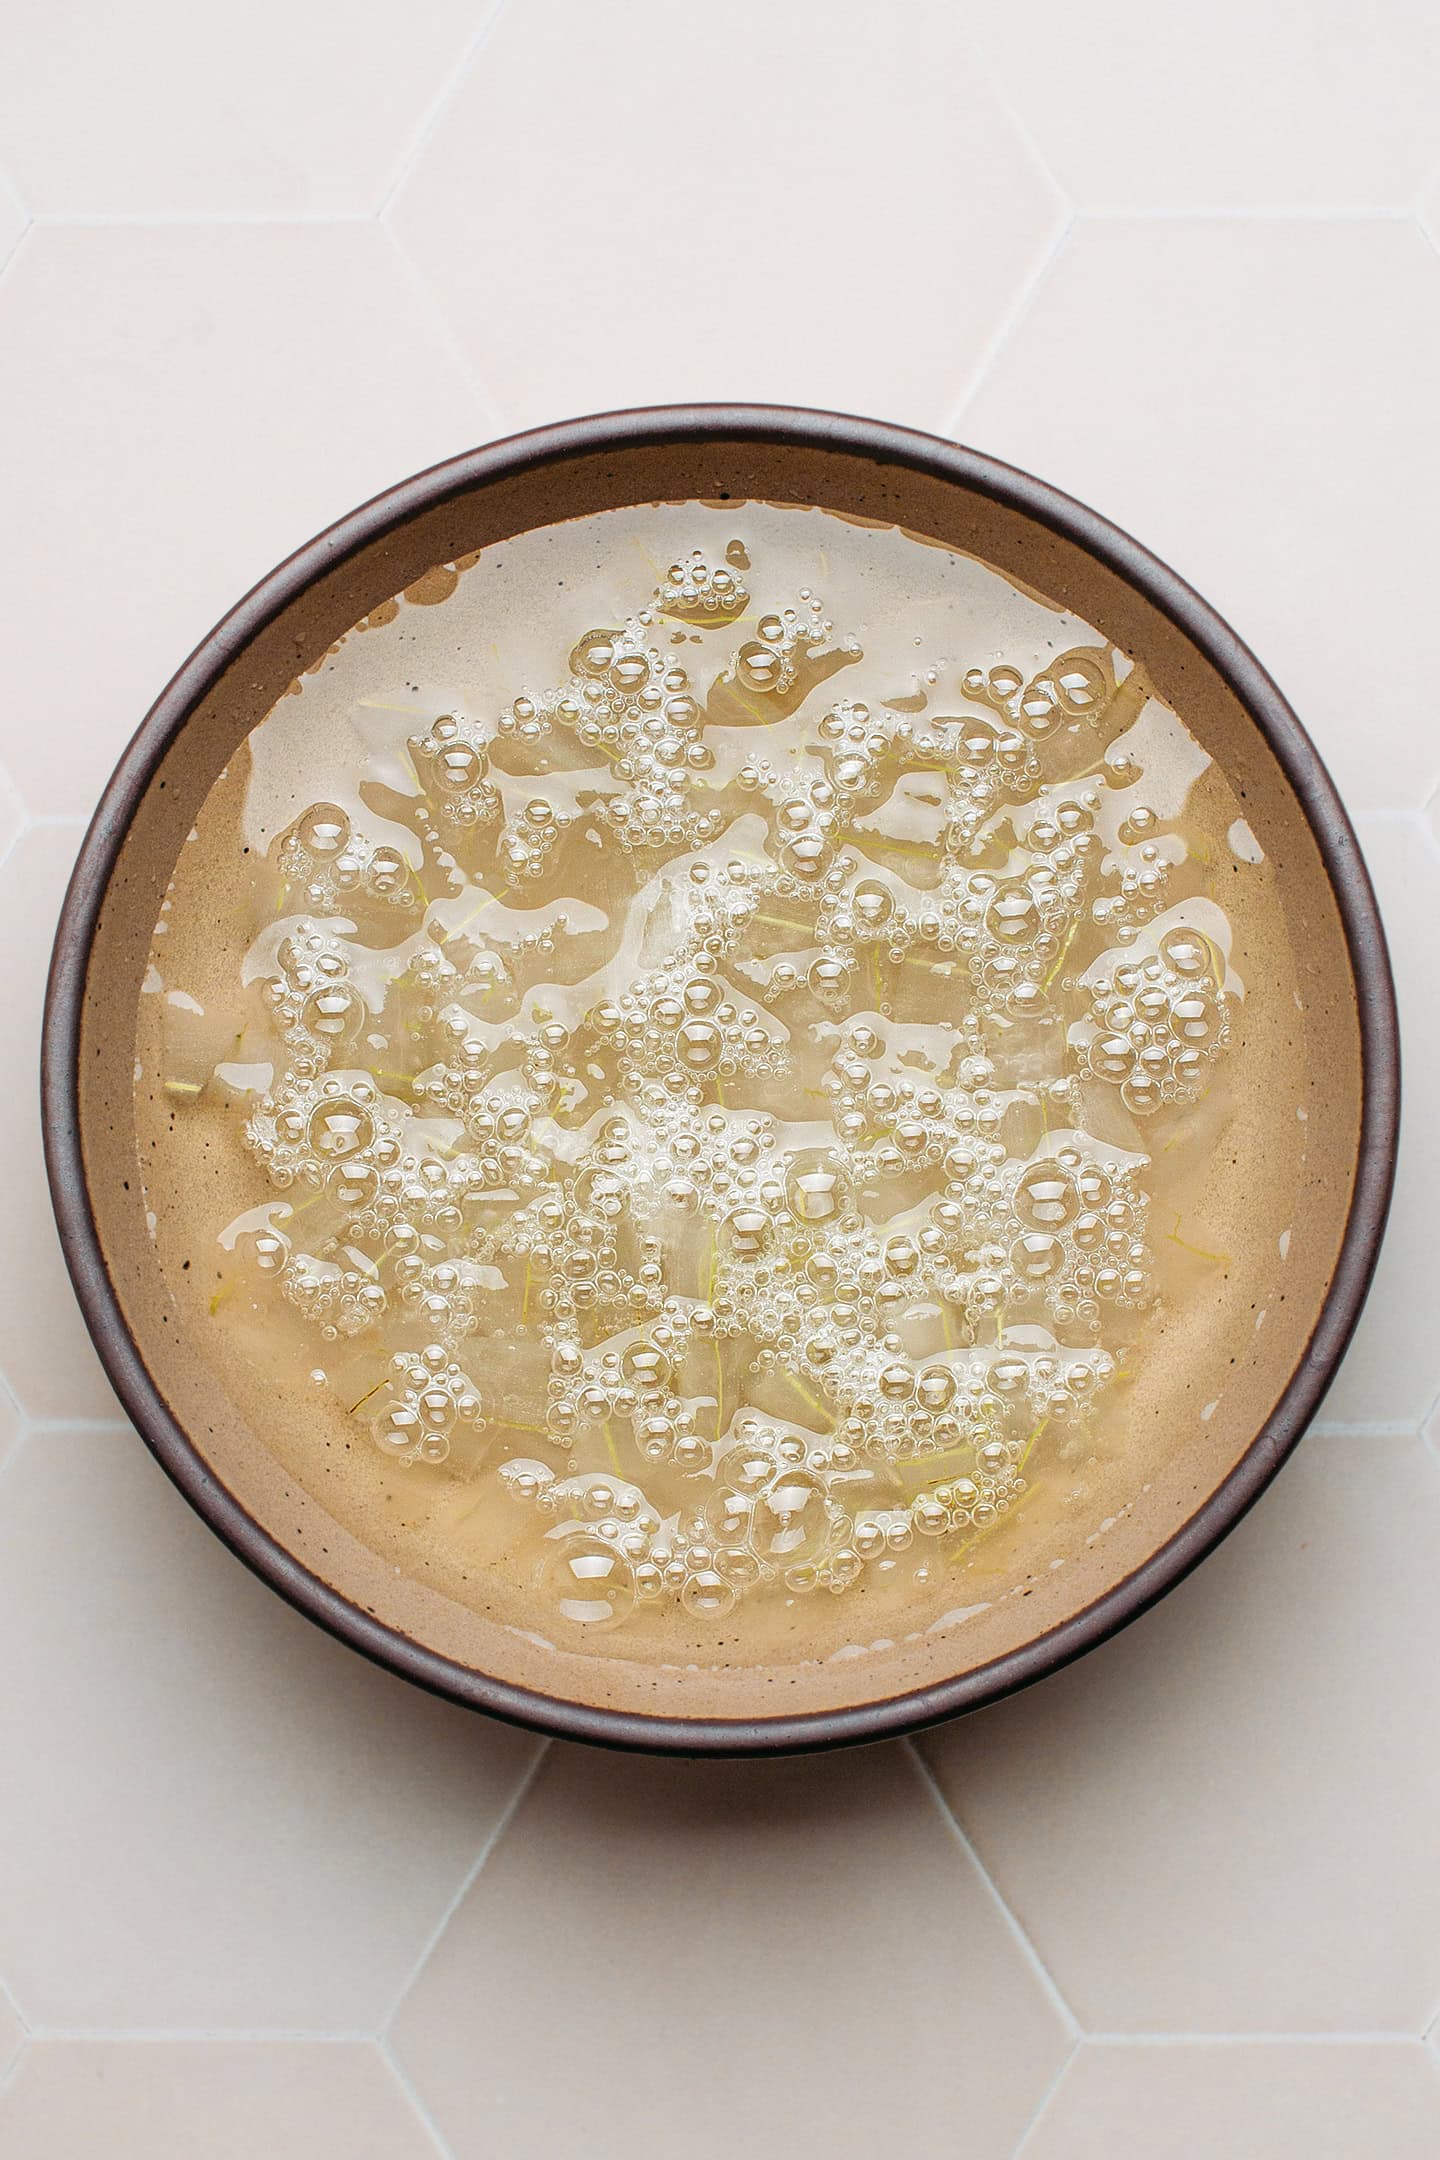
(659, 426)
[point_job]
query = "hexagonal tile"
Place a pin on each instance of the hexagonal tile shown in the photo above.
(211, 1815)
(9, 1423)
(45, 1353)
(818, 203)
(220, 394)
(1231, 107)
(12, 221)
(214, 1819)
(12, 2036)
(12, 814)
(1391, 1375)
(1430, 208)
(206, 2100)
(1254, 401)
(259, 110)
(1223, 1820)
(1345, 2101)
(780, 1957)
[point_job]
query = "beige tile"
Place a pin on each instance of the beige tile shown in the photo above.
(1230, 106)
(775, 1958)
(179, 408)
(202, 2100)
(1278, 2101)
(213, 1819)
(1430, 209)
(822, 203)
(1391, 1374)
(1253, 400)
(255, 109)
(12, 2036)
(211, 1815)
(1223, 1821)
(9, 1425)
(45, 1353)
(12, 221)
(12, 813)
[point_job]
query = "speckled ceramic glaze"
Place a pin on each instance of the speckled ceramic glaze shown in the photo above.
(1299, 1187)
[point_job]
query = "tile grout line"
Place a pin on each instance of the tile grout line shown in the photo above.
(197, 2036)
(25, 824)
(191, 220)
(12, 2069)
(1042, 2105)
(1076, 214)
(1421, 815)
(19, 1443)
(440, 321)
(418, 2107)
(1219, 214)
(1398, 1431)
(1032, 1956)
(21, 242)
(999, 89)
(1378, 2038)
(1197, 2040)
(502, 1823)
(10, 793)
(430, 118)
(29, 1427)
(75, 1424)
(995, 82)
(1010, 323)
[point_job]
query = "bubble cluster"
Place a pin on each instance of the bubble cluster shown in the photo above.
(1157, 1022)
(724, 1117)
(770, 663)
(452, 761)
(428, 1398)
(693, 590)
(334, 871)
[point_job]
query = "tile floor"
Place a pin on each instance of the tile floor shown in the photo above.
(261, 257)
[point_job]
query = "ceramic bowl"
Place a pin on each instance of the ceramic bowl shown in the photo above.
(1302, 1175)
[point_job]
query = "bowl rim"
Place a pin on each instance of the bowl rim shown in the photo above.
(781, 427)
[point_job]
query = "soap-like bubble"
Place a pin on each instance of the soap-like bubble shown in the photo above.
(755, 1112)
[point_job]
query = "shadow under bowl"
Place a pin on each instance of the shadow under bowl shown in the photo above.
(1311, 1140)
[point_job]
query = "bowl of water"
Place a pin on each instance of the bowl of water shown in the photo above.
(721, 1079)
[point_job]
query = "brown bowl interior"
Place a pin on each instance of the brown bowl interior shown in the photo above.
(1290, 1152)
